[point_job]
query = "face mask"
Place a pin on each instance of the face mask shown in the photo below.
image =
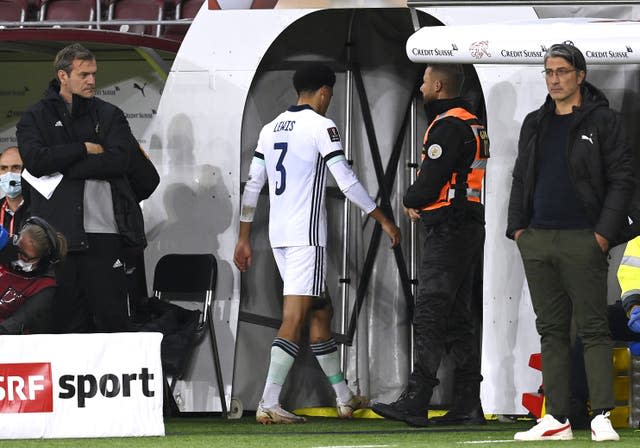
(11, 184)
(20, 265)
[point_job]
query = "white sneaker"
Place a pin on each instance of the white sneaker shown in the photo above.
(601, 428)
(276, 414)
(547, 428)
(345, 410)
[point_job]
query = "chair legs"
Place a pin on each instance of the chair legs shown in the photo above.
(217, 366)
(216, 362)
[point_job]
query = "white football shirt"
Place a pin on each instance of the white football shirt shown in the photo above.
(293, 154)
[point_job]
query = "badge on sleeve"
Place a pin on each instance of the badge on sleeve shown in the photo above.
(334, 135)
(434, 151)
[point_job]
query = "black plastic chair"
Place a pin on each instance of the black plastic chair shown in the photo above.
(189, 277)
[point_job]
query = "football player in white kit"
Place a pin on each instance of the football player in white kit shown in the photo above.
(292, 155)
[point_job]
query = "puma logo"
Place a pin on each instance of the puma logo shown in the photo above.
(140, 88)
(585, 137)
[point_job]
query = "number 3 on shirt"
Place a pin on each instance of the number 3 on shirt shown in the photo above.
(280, 167)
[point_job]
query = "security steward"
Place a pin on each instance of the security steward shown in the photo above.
(446, 199)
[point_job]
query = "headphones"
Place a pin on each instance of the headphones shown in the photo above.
(53, 253)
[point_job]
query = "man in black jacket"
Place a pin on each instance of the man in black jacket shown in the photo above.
(572, 184)
(446, 199)
(88, 142)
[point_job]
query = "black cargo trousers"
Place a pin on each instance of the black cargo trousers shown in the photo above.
(451, 258)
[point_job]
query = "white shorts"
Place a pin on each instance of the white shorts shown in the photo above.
(302, 269)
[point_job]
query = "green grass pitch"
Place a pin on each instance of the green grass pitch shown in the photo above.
(321, 432)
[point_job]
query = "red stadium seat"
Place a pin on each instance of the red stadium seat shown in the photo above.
(255, 4)
(71, 10)
(137, 10)
(185, 9)
(13, 10)
(263, 4)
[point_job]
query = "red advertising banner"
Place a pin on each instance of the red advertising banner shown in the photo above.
(26, 387)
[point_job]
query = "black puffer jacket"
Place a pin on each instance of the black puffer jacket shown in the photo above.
(600, 164)
(51, 140)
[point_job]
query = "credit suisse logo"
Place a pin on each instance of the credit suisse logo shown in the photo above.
(26, 387)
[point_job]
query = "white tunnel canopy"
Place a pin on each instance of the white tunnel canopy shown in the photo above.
(602, 41)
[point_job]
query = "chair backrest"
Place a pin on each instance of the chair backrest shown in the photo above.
(185, 9)
(137, 10)
(263, 4)
(72, 10)
(13, 10)
(185, 273)
(189, 8)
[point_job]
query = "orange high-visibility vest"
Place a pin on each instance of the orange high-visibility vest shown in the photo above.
(478, 166)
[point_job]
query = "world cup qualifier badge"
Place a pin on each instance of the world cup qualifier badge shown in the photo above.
(334, 135)
(434, 151)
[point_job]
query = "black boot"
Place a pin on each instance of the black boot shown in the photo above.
(466, 409)
(412, 404)
(462, 416)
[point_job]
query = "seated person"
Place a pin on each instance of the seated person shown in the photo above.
(27, 283)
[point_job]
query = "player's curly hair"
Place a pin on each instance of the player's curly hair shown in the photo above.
(313, 76)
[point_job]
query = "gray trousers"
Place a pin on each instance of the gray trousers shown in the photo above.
(567, 275)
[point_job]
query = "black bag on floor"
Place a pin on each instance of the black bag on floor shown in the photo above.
(179, 327)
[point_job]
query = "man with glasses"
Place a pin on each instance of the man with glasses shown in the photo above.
(572, 185)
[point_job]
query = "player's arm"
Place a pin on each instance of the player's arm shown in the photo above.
(330, 147)
(242, 256)
(388, 226)
(355, 192)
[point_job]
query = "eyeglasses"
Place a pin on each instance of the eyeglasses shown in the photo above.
(561, 72)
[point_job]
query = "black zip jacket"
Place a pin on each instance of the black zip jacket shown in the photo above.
(51, 140)
(458, 151)
(600, 165)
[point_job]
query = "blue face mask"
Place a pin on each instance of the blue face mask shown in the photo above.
(11, 184)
